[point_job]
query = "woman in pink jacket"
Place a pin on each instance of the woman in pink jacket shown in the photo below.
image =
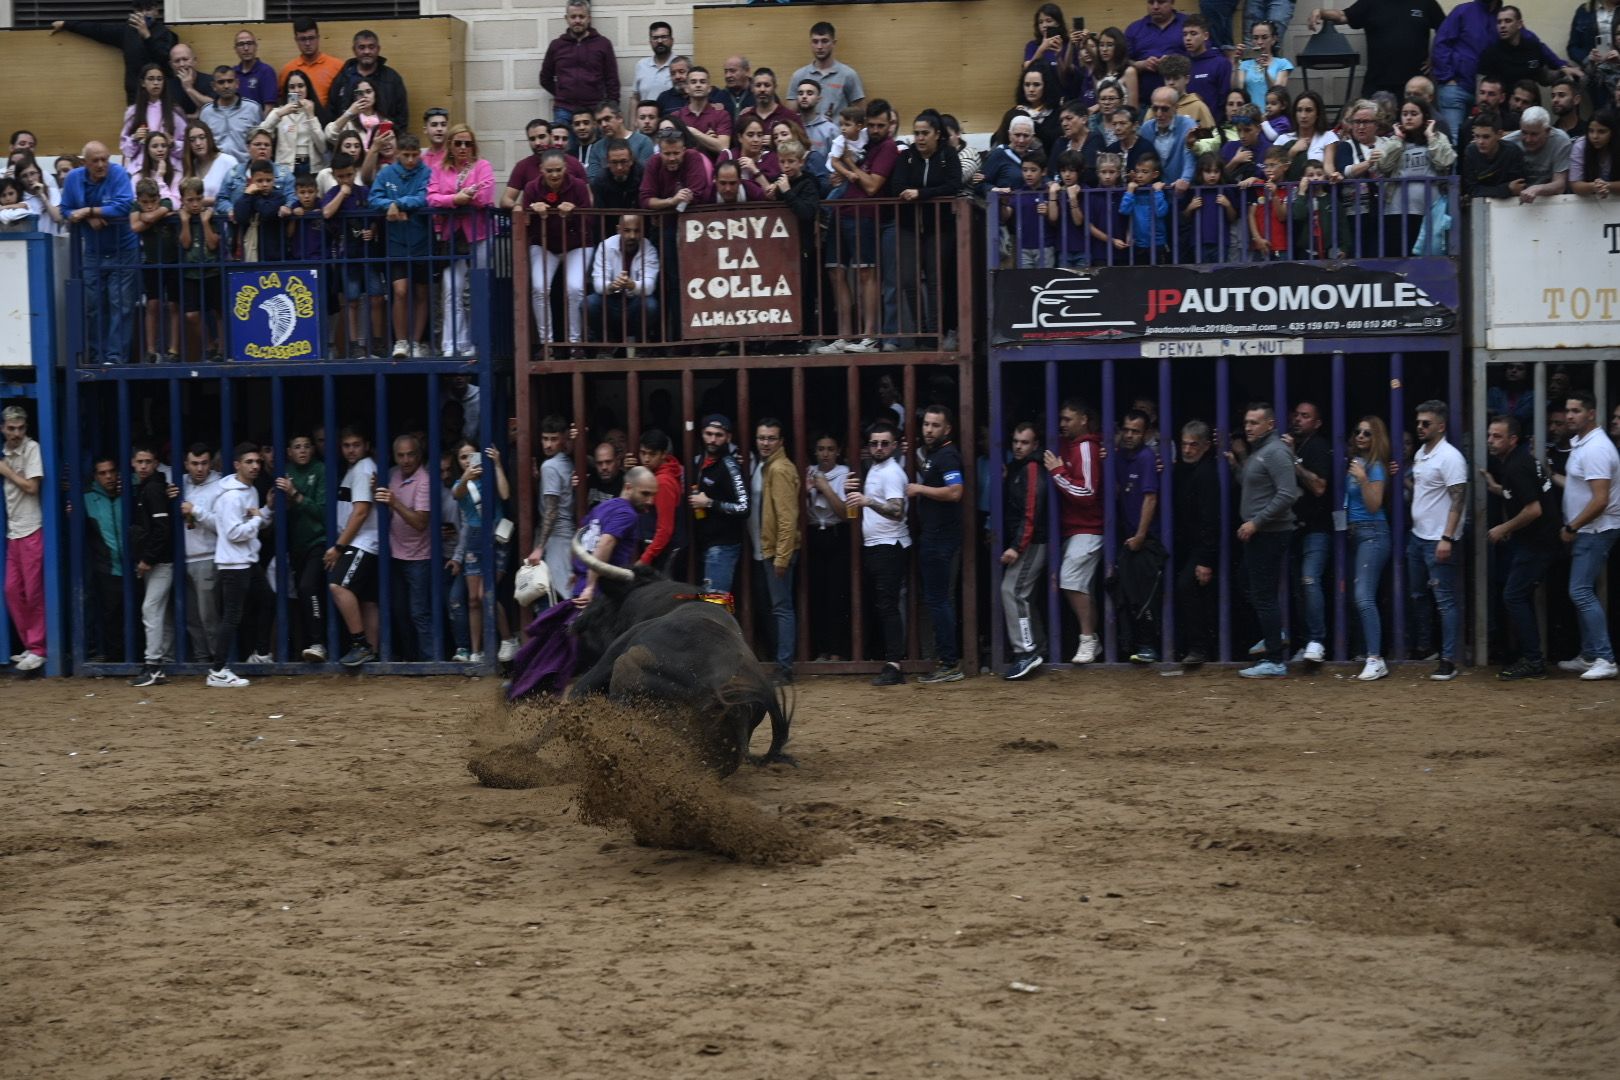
(152, 113)
(463, 184)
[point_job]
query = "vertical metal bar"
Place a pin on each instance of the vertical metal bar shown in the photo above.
(1169, 441)
(967, 281)
(852, 452)
(1279, 390)
(1336, 489)
(908, 396)
(332, 462)
(1397, 502)
(576, 394)
(522, 473)
(1051, 439)
(180, 589)
(494, 510)
(73, 469)
(802, 455)
(632, 396)
(122, 454)
(284, 579)
(436, 553)
(744, 574)
(1454, 388)
(997, 527)
(1223, 472)
(1110, 518)
(383, 450)
(968, 624)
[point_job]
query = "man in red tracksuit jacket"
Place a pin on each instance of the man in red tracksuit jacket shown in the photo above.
(1077, 472)
(668, 541)
(1023, 561)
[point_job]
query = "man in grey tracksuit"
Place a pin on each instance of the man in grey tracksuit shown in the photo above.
(1269, 491)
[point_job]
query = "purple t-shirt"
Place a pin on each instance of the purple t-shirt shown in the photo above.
(615, 518)
(1145, 40)
(1135, 478)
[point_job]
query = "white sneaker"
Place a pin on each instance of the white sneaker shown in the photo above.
(16, 656)
(225, 679)
(836, 346)
(508, 649)
(475, 658)
(1313, 653)
(865, 345)
(402, 349)
(315, 654)
(28, 660)
(260, 658)
(1601, 669)
(1374, 669)
(419, 349)
(1087, 653)
(462, 657)
(1575, 665)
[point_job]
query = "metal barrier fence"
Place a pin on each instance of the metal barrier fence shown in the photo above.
(747, 280)
(1053, 227)
(28, 274)
(1125, 325)
(256, 361)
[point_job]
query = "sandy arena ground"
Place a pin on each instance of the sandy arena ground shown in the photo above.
(1191, 877)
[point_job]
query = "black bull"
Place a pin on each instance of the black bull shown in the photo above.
(647, 639)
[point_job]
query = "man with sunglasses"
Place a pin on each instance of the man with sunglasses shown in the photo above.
(881, 498)
(1434, 550)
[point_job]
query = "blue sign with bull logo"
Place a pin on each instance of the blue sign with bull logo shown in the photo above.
(276, 314)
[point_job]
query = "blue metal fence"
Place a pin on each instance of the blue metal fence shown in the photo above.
(218, 393)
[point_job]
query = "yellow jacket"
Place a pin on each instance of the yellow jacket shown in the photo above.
(779, 509)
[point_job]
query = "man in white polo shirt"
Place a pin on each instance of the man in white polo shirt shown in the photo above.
(351, 562)
(1439, 499)
(885, 538)
(1591, 526)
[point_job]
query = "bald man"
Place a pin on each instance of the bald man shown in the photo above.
(96, 199)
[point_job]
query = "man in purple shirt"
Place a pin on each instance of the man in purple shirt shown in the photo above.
(1211, 69)
(608, 532)
(1140, 563)
(257, 79)
(1467, 32)
(408, 497)
(580, 70)
(1156, 34)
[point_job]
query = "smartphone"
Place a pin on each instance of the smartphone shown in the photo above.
(385, 128)
(1054, 32)
(293, 97)
(1079, 22)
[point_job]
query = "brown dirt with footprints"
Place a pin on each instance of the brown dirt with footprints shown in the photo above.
(1107, 874)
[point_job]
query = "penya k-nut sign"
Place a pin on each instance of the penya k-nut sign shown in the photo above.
(739, 272)
(1275, 299)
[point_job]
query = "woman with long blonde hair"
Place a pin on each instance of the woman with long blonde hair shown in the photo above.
(464, 186)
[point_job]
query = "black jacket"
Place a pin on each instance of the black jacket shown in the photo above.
(934, 177)
(1024, 505)
(726, 522)
(151, 529)
(1198, 512)
(611, 194)
(391, 98)
(138, 51)
(1488, 178)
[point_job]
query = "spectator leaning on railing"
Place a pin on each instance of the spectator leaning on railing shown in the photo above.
(1594, 159)
(1546, 154)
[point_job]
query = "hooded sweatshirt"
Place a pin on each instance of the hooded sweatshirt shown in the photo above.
(238, 545)
(670, 531)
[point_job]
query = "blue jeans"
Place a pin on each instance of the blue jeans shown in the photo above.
(776, 594)
(1527, 566)
(1219, 13)
(936, 561)
(413, 608)
(1312, 550)
(1591, 551)
(1425, 574)
(1454, 102)
(1279, 12)
(617, 318)
(1372, 547)
(109, 304)
(720, 566)
(455, 610)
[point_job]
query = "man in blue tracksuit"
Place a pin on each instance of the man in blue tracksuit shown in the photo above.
(97, 198)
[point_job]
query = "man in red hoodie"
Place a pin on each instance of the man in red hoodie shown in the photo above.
(579, 71)
(668, 542)
(1077, 471)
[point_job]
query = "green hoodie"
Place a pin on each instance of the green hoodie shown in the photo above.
(306, 520)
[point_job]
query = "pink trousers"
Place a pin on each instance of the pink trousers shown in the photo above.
(25, 589)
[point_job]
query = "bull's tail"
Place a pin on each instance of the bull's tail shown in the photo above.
(752, 691)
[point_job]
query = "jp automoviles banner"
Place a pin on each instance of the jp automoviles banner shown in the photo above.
(276, 315)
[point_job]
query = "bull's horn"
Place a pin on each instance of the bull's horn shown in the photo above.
(607, 570)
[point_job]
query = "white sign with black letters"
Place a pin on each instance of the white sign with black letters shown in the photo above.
(1551, 272)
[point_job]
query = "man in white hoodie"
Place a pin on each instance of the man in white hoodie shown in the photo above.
(199, 486)
(237, 518)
